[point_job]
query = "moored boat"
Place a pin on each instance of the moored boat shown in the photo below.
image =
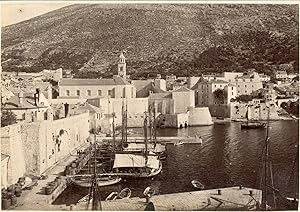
(85, 181)
(253, 125)
(197, 184)
(131, 165)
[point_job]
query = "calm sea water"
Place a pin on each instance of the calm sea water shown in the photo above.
(228, 156)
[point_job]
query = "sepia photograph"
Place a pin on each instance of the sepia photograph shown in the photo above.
(150, 105)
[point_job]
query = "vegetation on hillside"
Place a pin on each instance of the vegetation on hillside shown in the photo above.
(168, 39)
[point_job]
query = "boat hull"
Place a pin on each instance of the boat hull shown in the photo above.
(140, 175)
(253, 125)
(86, 182)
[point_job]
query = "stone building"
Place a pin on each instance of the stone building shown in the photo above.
(248, 83)
(136, 108)
(55, 75)
(91, 88)
(184, 99)
(205, 89)
(145, 87)
(280, 75)
(28, 106)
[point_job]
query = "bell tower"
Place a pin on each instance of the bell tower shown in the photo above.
(122, 66)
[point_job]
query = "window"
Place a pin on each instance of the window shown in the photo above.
(232, 93)
(67, 93)
(121, 68)
(215, 86)
(109, 92)
(78, 92)
(245, 86)
(99, 93)
(89, 93)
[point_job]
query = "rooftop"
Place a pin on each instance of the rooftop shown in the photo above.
(27, 103)
(4, 156)
(82, 82)
(219, 81)
(165, 95)
(182, 89)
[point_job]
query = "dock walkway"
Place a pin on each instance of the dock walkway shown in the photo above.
(232, 198)
(166, 140)
(36, 199)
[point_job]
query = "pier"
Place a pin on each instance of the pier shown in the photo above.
(166, 140)
(231, 198)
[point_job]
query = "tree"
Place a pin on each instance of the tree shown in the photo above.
(220, 95)
(244, 98)
(7, 118)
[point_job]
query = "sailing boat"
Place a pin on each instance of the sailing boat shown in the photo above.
(145, 164)
(152, 144)
(252, 124)
(86, 180)
(267, 173)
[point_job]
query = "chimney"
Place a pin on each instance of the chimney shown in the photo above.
(66, 109)
(21, 97)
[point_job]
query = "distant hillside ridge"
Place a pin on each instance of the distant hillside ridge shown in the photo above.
(181, 39)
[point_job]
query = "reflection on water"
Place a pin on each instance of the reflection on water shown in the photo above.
(228, 156)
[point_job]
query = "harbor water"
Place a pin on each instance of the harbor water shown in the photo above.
(228, 156)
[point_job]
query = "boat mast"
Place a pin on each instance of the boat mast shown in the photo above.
(123, 124)
(96, 201)
(266, 161)
(154, 127)
(126, 121)
(145, 138)
(150, 124)
(114, 132)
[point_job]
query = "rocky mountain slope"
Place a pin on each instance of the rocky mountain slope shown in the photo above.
(157, 38)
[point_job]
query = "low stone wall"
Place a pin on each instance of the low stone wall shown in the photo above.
(12, 145)
(259, 111)
(34, 147)
(219, 110)
(64, 100)
(199, 116)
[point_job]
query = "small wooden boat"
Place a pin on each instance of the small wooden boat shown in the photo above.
(125, 193)
(253, 125)
(86, 181)
(197, 184)
(112, 196)
(178, 143)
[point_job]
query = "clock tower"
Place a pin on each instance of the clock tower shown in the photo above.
(122, 66)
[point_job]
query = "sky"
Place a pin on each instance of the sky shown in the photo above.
(12, 13)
